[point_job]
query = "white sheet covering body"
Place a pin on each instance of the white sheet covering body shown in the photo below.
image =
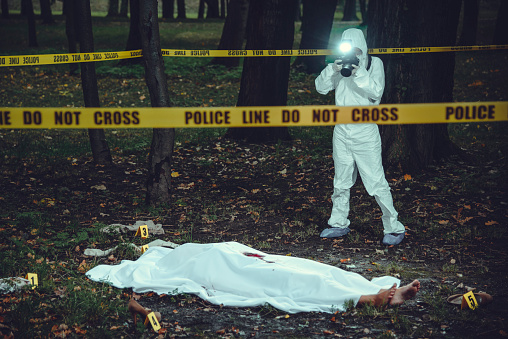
(233, 274)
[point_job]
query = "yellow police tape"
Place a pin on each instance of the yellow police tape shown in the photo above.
(63, 58)
(192, 117)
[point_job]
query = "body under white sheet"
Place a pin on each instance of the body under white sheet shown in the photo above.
(233, 274)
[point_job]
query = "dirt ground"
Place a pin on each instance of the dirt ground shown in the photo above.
(444, 263)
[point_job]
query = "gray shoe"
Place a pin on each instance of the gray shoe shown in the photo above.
(334, 232)
(393, 238)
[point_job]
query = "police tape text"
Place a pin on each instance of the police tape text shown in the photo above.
(207, 117)
(5, 118)
(481, 112)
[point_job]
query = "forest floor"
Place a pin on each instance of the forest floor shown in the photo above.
(54, 201)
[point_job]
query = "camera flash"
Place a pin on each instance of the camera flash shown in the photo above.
(345, 46)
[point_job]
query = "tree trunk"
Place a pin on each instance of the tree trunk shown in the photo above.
(265, 80)
(233, 32)
(134, 38)
(413, 78)
(469, 23)
(46, 15)
(28, 9)
(363, 10)
(317, 24)
(5, 9)
(201, 9)
(168, 9)
(181, 9)
(350, 11)
(100, 149)
(223, 9)
(213, 9)
(500, 36)
(298, 13)
(69, 11)
(159, 163)
(113, 8)
(124, 8)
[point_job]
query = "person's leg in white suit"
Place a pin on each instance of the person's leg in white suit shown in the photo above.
(369, 162)
(344, 178)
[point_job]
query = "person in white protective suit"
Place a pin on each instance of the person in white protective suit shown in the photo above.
(357, 147)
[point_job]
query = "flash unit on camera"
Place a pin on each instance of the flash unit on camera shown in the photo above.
(345, 46)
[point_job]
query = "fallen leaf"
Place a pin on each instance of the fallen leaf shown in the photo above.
(490, 223)
(83, 267)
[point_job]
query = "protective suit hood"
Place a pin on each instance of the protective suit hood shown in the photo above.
(358, 40)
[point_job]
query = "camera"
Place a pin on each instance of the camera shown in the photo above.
(348, 57)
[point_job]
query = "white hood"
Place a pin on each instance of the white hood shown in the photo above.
(358, 40)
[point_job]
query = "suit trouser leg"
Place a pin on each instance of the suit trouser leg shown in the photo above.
(344, 178)
(369, 162)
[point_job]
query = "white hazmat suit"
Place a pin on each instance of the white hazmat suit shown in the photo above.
(357, 147)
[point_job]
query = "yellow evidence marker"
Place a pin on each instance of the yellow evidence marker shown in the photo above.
(469, 299)
(34, 281)
(153, 320)
(142, 231)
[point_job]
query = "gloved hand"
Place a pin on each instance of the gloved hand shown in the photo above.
(337, 65)
(353, 72)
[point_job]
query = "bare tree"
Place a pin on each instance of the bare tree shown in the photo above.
(317, 24)
(265, 80)
(223, 8)
(100, 149)
(233, 32)
(134, 37)
(168, 9)
(413, 78)
(5, 9)
(181, 9)
(113, 8)
(28, 9)
(124, 8)
(212, 9)
(469, 23)
(71, 31)
(46, 15)
(500, 36)
(350, 11)
(159, 163)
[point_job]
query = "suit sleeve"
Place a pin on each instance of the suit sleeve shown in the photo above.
(327, 80)
(371, 83)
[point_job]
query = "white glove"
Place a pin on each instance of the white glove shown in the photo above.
(353, 72)
(337, 65)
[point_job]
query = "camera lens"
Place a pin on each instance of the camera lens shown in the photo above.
(346, 70)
